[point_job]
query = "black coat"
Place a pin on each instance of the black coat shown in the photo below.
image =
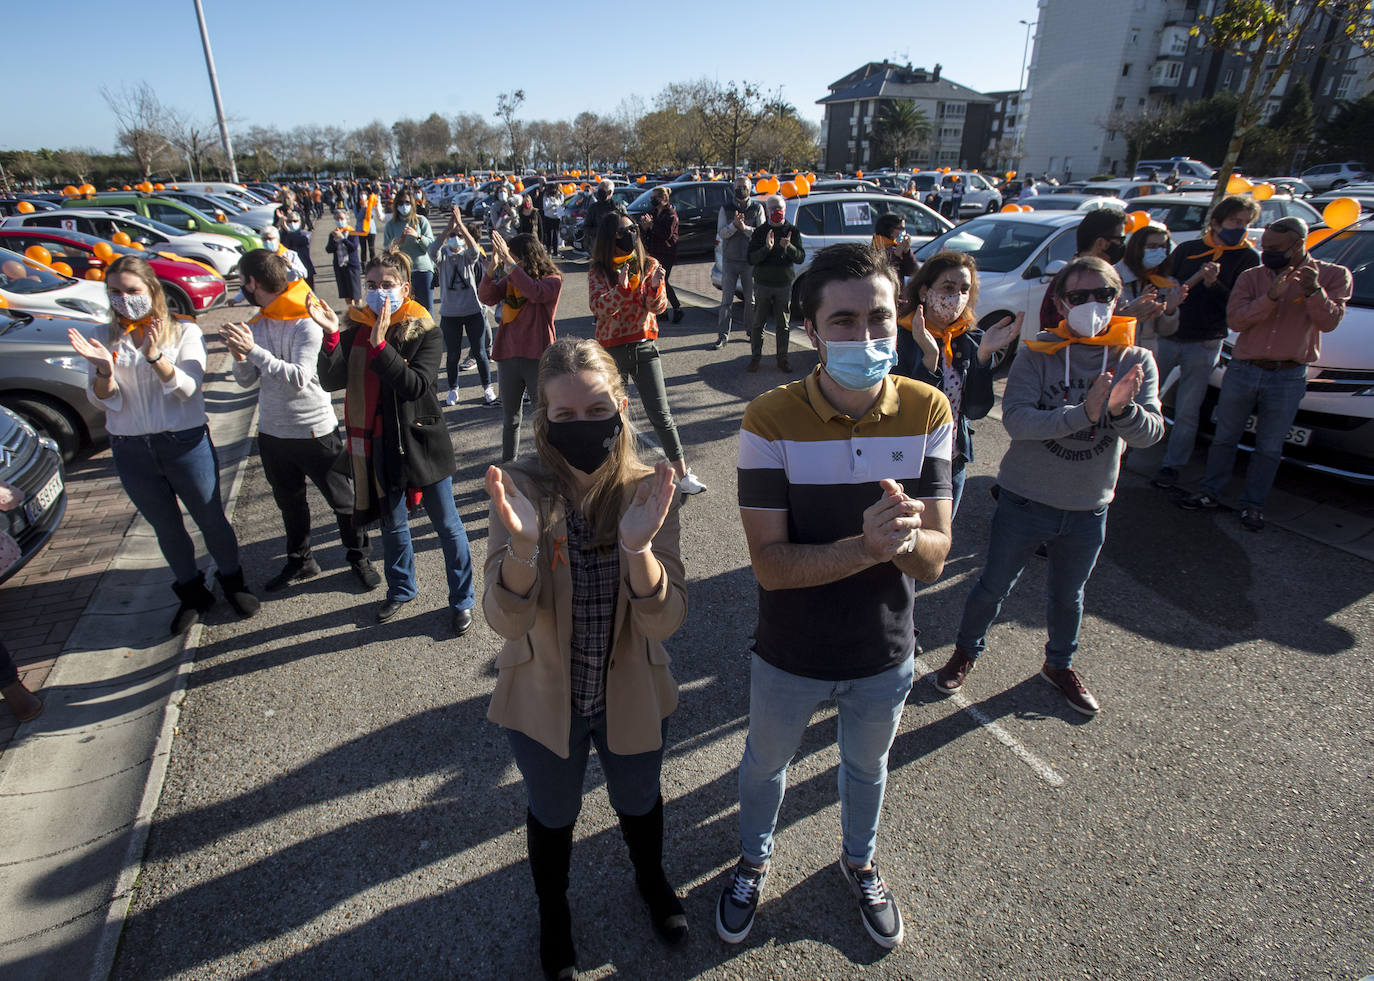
(416, 449)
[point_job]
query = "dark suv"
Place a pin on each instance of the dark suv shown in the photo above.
(698, 205)
(34, 497)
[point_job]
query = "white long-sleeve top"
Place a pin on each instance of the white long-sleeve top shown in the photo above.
(142, 403)
(292, 405)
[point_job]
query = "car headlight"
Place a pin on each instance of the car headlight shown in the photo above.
(70, 363)
(88, 307)
(216, 247)
(206, 278)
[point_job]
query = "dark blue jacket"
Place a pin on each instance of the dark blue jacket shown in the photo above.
(978, 395)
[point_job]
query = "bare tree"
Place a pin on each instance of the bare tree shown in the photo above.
(434, 136)
(731, 114)
(475, 141)
(197, 140)
(507, 105)
(374, 145)
(142, 124)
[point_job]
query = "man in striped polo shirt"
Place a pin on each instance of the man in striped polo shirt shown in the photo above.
(844, 493)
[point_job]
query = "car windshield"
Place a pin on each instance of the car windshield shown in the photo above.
(997, 244)
(228, 204)
(641, 202)
(159, 226)
(1355, 251)
(1055, 202)
(20, 274)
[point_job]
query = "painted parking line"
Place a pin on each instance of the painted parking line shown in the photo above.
(1041, 769)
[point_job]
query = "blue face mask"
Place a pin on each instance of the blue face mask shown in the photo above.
(859, 365)
(375, 299)
(1231, 236)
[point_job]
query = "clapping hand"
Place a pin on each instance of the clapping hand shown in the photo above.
(1281, 283)
(92, 350)
(768, 239)
(646, 512)
(786, 238)
(1210, 271)
(892, 524)
(149, 348)
(322, 314)
(623, 275)
(514, 510)
(238, 338)
(1097, 395)
(997, 337)
(656, 278)
(1146, 306)
(1125, 389)
(1173, 298)
(382, 323)
(1307, 279)
(930, 351)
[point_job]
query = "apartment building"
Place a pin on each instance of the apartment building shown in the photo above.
(1005, 131)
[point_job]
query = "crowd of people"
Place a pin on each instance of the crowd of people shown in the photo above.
(849, 479)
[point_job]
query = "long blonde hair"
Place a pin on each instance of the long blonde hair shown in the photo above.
(170, 331)
(616, 478)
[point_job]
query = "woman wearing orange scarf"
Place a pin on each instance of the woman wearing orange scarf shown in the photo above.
(385, 360)
(148, 381)
(1145, 271)
(937, 343)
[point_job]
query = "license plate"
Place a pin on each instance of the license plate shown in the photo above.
(38, 505)
(1297, 435)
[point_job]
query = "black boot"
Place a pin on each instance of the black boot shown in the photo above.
(644, 835)
(238, 594)
(195, 598)
(550, 853)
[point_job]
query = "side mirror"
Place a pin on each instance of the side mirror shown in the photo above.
(1054, 267)
(190, 224)
(1032, 273)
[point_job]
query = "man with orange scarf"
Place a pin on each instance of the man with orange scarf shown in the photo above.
(1209, 267)
(1074, 399)
(298, 432)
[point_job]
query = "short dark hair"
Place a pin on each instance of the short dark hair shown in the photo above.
(837, 263)
(1233, 204)
(1100, 223)
(269, 270)
(886, 224)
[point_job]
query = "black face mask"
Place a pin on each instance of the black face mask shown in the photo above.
(1274, 260)
(1116, 251)
(585, 443)
(625, 239)
(249, 294)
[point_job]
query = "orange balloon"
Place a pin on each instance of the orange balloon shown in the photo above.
(69, 191)
(789, 190)
(803, 185)
(1319, 235)
(1011, 174)
(103, 252)
(4, 302)
(127, 187)
(87, 188)
(810, 177)
(640, 180)
(136, 245)
(519, 187)
(1237, 185)
(1263, 192)
(120, 238)
(95, 275)
(1135, 221)
(1026, 207)
(39, 254)
(1010, 208)
(858, 173)
(159, 187)
(1341, 212)
(24, 208)
(62, 267)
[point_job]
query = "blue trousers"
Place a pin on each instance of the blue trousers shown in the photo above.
(1274, 397)
(399, 554)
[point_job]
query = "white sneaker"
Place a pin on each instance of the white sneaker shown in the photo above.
(489, 396)
(452, 397)
(690, 484)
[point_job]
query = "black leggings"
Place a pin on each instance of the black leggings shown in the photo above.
(475, 327)
(9, 674)
(672, 294)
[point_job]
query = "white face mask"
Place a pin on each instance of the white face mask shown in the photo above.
(403, 209)
(1089, 319)
(132, 306)
(270, 244)
(1154, 257)
(456, 244)
(293, 226)
(946, 307)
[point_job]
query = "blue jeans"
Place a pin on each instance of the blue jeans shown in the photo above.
(422, 287)
(1274, 397)
(474, 326)
(780, 708)
(1018, 526)
(453, 538)
(160, 469)
(1195, 361)
(958, 474)
(554, 785)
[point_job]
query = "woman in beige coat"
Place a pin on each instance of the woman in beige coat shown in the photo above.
(585, 582)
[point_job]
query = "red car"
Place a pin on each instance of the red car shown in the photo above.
(190, 287)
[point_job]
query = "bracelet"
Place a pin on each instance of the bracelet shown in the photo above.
(103, 374)
(529, 562)
(637, 551)
(156, 359)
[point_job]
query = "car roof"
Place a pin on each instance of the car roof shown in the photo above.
(1053, 218)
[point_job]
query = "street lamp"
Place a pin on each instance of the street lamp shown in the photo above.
(1021, 98)
(1025, 49)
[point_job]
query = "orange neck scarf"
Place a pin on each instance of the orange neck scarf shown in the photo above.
(620, 260)
(1217, 248)
(292, 304)
(409, 310)
(1163, 282)
(367, 215)
(1120, 332)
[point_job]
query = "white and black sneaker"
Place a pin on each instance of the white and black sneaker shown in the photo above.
(882, 919)
(739, 900)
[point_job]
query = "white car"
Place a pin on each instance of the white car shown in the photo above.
(220, 252)
(1125, 190)
(30, 287)
(245, 196)
(848, 216)
(1185, 215)
(1072, 202)
(1328, 177)
(980, 197)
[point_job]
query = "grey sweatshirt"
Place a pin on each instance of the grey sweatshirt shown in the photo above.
(1057, 457)
(291, 403)
(457, 274)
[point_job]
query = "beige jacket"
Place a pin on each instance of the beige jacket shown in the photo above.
(534, 685)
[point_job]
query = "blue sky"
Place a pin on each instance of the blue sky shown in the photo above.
(309, 61)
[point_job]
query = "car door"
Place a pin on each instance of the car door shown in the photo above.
(689, 202)
(172, 215)
(921, 225)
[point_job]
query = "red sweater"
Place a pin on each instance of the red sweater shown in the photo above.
(625, 316)
(531, 332)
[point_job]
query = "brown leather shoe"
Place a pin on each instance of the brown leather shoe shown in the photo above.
(752, 366)
(950, 678)
(1072, 687)
(25, 705)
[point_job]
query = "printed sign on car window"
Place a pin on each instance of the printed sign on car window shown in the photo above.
(857, 213)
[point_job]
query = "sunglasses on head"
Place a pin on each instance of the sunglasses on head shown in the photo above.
(1103, 294)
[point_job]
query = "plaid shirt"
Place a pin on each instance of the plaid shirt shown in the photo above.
(595, 584)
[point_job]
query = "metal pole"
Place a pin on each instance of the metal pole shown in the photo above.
(1021, 98)
(214, 89)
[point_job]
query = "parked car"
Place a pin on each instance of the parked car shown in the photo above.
(1329, 176)
(190, 287)
(1072, 202)
(32, 466)
(44, 380)
(1333, 432)
(1295, 186)
(218, 251)
(257, 217)
(1185, 215)
(236, 192)
(1363, 193)
(10, 205)
(980, 197)
(178, 214)
(698, 205)
(575, 211)
(846, 184)
(1125, 190)
(34, 288)
(832, 219)
(1187, 168)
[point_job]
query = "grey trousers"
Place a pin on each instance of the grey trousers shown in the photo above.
(515, 377)
(770, 301)
(730, 274)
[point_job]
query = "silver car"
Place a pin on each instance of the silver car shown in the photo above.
(43, 380)
(36, 498)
